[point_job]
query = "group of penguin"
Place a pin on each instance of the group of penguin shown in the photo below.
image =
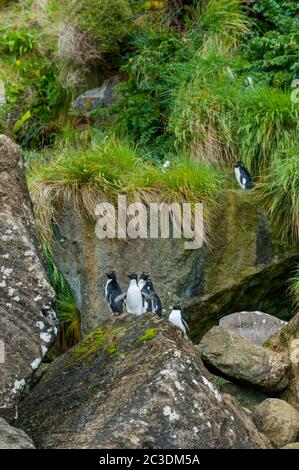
(140, 298)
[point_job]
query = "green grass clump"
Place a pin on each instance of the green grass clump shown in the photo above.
(99, 341)
(225, 18)
(267, 125)
(278, 191)
(149, 335)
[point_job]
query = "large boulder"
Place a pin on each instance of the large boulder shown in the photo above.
(133, 383)
(27, 320)
(286, 342)
(255, 326)
(13, 438)
(246, 415)
(246, 268)
(244, 361)
(278, 420)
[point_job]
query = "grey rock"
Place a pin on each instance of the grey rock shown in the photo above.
(103, 96)
(246, 416)
(286, 342)
(255, 326)
(13, 438)
(238, 358)
(134, 383)
(278, 420)
(27, 319)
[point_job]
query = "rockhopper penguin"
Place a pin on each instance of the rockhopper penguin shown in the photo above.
(177, 318)
(242, 176)
(152, 304)
(112, 293)
(134, 300)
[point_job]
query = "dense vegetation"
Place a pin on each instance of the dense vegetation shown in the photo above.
(207, 82)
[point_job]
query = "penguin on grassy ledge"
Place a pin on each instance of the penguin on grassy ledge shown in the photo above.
(112, 293)
(176, 317)
(243, 176)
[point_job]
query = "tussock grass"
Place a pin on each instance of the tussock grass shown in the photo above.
(218, 117)
(85, 177)
(267, 126)
(278, 191)
(224, 18)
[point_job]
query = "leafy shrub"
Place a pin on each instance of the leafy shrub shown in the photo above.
(161, 59)
(17, 41)
(273, 48)
(143, 109)
(34, 97)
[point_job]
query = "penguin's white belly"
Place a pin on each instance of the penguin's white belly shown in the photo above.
(176, 318)
(241, 180)
(134, 300)
(106, 287)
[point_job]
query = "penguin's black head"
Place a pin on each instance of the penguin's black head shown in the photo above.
(111, 274)
(176, 307)
(144, 276)
(238, 164)
(133, 276)
(149, 284)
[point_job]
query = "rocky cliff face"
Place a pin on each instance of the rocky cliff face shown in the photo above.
(27, 320)
(134, 383)
(245, 268)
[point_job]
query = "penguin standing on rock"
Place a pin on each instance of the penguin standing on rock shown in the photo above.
(176, 317)
(243, 176)
(112, 294)
(152, 302)
(155, 301)
(142, 281)
(143, 288)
